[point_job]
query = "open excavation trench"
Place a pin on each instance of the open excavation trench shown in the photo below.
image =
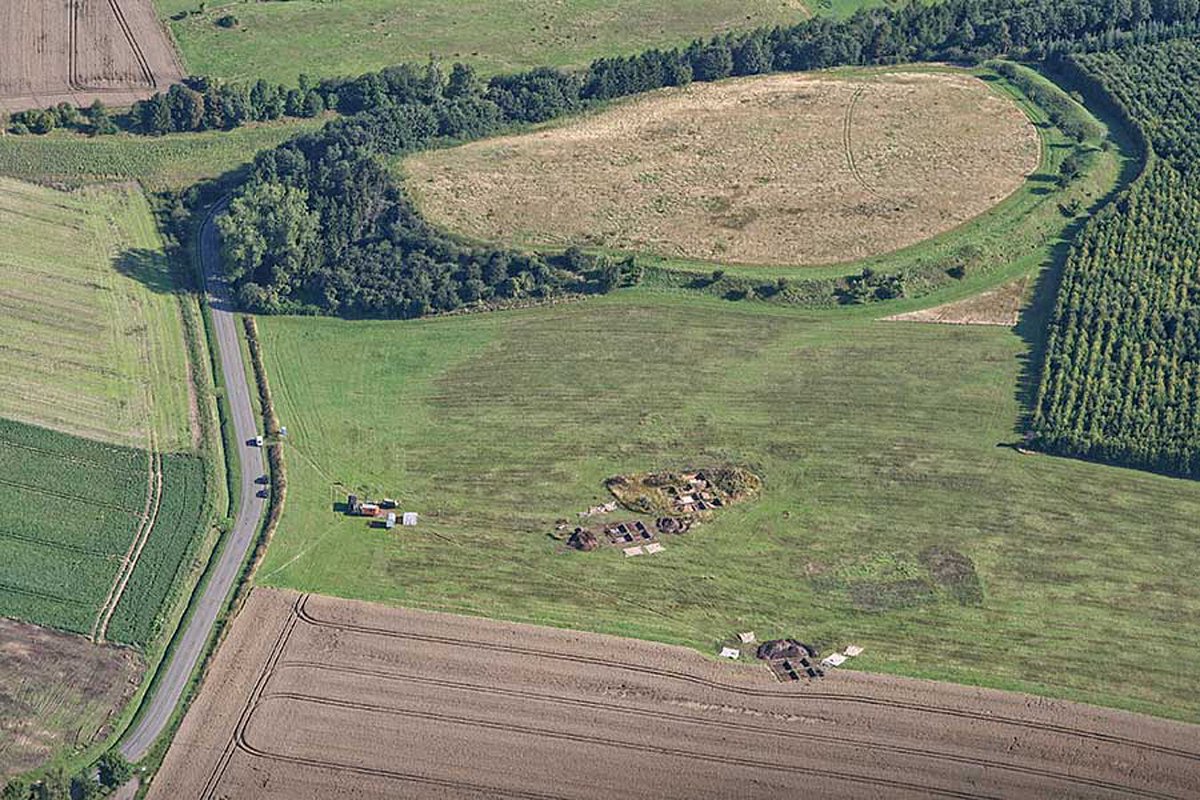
(312, 696)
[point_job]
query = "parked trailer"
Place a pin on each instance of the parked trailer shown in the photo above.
(391, 519)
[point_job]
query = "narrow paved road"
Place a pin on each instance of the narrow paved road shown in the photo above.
(183, 658)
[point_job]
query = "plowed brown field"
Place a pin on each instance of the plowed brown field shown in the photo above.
(79, 50)
(313, 697)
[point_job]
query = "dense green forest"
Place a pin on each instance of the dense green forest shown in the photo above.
(1121, 380)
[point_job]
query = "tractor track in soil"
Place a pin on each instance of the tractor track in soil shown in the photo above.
(796, 735)
(748, 691)
(527, 730)
(409, 692)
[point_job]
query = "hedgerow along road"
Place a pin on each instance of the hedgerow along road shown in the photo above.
(189, 645)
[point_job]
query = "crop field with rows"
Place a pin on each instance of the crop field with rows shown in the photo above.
(69, 509)
(167, 555)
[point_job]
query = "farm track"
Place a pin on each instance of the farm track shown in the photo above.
(138, 54)
(129, 562)
(815, 695)
(686, 720)
(427, 698)
(72, 45)
(848, 143)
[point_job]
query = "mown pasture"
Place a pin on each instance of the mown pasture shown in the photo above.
(278, 41)
(158, 163)
(877, 441)
(93, 340)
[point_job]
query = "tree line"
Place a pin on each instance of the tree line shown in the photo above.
(953, 30)
(1121, 378)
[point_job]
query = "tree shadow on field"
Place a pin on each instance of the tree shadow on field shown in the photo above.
(150, 268)
(1033, 324)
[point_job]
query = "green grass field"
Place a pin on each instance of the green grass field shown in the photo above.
(278, 41)
(175, 161)
(876, 441)
(69, 508)
(92, 342)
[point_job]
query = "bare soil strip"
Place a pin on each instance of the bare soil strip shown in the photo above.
(312, 696)
(788, 169)
(76, 51)
(1000, 306)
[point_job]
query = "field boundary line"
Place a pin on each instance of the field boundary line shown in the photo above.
(708, 723)
(744, 690)
(134, 553)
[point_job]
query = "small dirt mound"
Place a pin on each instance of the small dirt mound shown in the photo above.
(785, 648)
(582, 539)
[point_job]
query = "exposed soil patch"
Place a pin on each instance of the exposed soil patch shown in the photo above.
(312, 697)
(1000, 306)
(779, 169)
(75, 51)
(685, 494)
(955, 573)
(894, 581)
(669, 502)
(58, 692)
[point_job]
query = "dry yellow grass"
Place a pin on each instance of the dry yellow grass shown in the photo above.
(780, 169)
(1000, 306)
